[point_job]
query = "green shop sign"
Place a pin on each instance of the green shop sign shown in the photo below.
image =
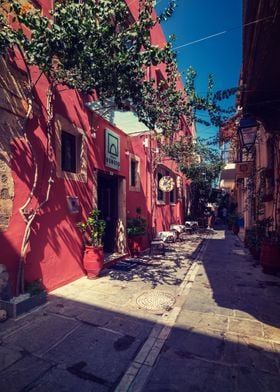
(112, 150)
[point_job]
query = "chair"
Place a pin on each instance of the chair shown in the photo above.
(157, 247)
(178, 229)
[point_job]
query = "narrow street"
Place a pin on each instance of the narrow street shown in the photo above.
(139, 154)
(203, 318)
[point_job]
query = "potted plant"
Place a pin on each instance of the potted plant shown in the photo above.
(233, 223)
(93, 230)
(270, 252)
(136, 228)
(254, 239)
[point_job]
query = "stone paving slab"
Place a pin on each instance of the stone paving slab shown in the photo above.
(251, 353)
(202, 321)
(60, 380)
(99, 352)
(190, 344)
(248, 379)
(87, 334)
(189, 374)
(38, 336)
(205, 305)
(221, 334)
(226, 337)
(8, 357)
(246, 327)
(24, 372)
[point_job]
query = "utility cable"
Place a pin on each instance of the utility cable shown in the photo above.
(224, 31)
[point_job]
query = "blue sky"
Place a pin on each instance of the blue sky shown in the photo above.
(220, 55)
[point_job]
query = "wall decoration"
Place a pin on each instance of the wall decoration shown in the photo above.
(166, 184)
(73, 204)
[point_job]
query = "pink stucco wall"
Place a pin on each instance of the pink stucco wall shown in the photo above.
(56, 247)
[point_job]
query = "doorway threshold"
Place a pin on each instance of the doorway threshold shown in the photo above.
(111, 258)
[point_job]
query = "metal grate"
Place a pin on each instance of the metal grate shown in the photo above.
(155, 300)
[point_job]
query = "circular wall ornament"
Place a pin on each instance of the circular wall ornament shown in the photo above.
(166, 184)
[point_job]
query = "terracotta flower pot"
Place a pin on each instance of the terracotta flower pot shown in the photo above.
(93, 261)
(135, 244)
(270, 257)
(235, 229)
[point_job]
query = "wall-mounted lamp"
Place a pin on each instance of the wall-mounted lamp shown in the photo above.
(146, 142)
(247, 132)
(92, 132)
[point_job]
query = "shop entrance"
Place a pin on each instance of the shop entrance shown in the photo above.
(107, 188)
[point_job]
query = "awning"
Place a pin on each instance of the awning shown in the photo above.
(127, 121)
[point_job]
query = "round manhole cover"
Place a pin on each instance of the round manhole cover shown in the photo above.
(155, 300)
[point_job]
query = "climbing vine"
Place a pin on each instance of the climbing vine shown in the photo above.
(198, 159)
(96, 47)
(210, 103)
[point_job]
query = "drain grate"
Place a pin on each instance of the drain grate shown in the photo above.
(155, 300)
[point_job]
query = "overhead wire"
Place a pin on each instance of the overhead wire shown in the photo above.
(224, 32)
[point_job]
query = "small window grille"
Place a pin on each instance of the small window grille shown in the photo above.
(68, 152)
(133, 172)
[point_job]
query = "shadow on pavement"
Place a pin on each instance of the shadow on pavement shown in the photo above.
(71, 345)
(225, 338)
(157, 270)
(237, 283)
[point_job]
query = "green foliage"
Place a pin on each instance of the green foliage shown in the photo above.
(168, 11)
(93, 228)
(200, 162)
(7, 34)
(96, 47)
(34, 288)
(136, 226)
(209, 103)
(255, 237)
(162, 106)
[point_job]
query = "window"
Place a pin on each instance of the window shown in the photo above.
(71, 150)
(172, 196)
(134, 177)
(133, 172)
(160, 194)
(68, 152)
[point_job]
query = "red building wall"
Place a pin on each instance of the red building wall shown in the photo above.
(56, 247)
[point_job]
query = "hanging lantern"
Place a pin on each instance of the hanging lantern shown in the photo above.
(247, 132)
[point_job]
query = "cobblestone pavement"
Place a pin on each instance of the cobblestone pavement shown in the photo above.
(203, 318)
(89, 332)
(227, 334)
